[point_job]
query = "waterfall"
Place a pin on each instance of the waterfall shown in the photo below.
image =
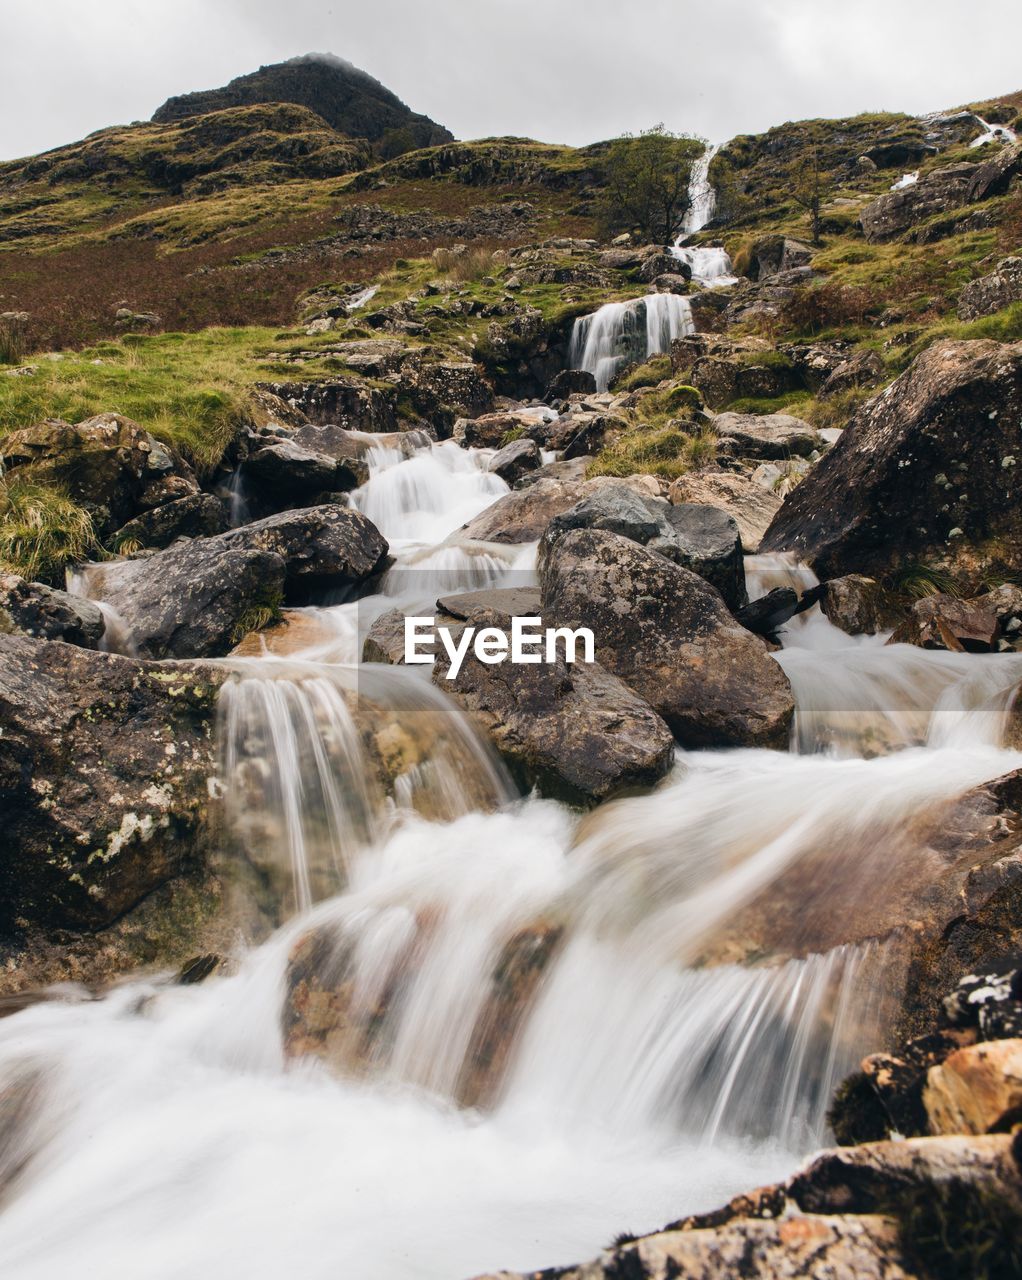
(710, 265)
(621, 333)
(994, 133)
(471, 1029)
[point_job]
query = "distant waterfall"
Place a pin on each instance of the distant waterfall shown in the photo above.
(709, 264)
(622, 332)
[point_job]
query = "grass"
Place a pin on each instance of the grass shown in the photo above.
(41, 531)
(189, 390)
(664, 451)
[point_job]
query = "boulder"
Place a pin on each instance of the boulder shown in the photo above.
(859, 605)
(34, 609)
(198, 598)
(669, 636)
(569, 382)
(750, 505)
(199, 515)
(701, 538)
(945, 622)
(107, 464)
(768, 613)
(291, 471)
(773, 254)
(515, 460)
(995, 176)
(863, 369)
(768, 435)
(574, 731)
(977, 1089)
(928, 472)
(990, 293)
(721, 378)
(490, 430)
(105, 766)
(815, 362)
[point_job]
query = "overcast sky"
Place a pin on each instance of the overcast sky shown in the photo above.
(560, 70)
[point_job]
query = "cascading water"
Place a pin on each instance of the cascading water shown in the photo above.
(486, 1032)
(710, 264)
(622, 332)
(994, 133)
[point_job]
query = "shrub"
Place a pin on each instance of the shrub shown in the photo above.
(468, 265)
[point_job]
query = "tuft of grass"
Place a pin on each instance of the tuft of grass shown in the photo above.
(917, 581)
(255, 619)
(648, 374)
(42, 531)
(469, 265)
(660, 451)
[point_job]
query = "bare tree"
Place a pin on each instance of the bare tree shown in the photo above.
(807, 189)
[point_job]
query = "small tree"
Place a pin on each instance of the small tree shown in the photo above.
(807, 189)
(647, 181)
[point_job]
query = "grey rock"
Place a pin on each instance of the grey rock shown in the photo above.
(991, 293)
(515, 460)
(199, 515)
(770, 435)
(34, 609)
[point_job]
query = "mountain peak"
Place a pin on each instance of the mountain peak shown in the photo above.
(347, 98)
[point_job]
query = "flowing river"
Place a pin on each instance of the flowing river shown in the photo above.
(555, 1027)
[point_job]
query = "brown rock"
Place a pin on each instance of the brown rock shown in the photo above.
(977, 1089)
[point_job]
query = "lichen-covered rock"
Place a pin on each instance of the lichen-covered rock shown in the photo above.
(105, 766)
(107, 464)
(292, 471)
(773, 254)
(895, 212)
(859, 605)
(523, 514)
(862, 369)
(928, 472)
(670, 637)
(34, 609)
(990, 293)
(199, 515)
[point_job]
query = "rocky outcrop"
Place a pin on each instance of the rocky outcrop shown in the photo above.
(36, 610)
(928, 471)
(990, 293)
(104, 779)
(769, 436)
(107, 464)
(197, 599)
(669, 636)
(770, 255)
(896, 212)
(976, 1089)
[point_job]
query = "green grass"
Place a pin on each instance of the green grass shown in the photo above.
(189, 390)
(656, 450)
(41, 531)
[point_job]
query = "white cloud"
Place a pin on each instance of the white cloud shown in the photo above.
(562, 70)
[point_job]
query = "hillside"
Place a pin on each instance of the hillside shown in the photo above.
(348, 99)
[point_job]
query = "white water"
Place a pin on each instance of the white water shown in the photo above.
(710, 264)
(906, 180)
(622, 332)
(712, 964)
(993, 133)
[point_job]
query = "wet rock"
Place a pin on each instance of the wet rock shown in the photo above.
(198, 598)
(977, 1089)
(994, 177)
(944, 622)
(290, 470)
(344, 402)
(990, 293)
(766, 615)
(571, 729)
(859, 605)
(769, 435)
(751, 506)
(199, 515)
(515, 460)
(107, 464)
(491, 430)
(927, 472)
(34, 609)
(669, 636)
(104, 772)
(523, 514)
